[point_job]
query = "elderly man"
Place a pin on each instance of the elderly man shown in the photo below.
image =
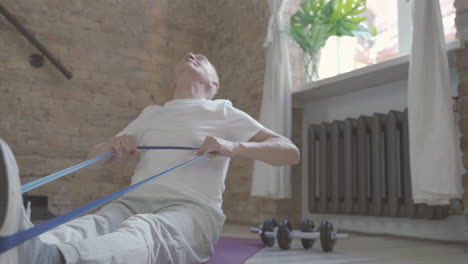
(178, 217)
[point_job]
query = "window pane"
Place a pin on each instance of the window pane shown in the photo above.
(345, 54)
(448, 19)
(384, 16)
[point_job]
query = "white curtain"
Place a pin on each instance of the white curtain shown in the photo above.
(433, 151)
(269, 181)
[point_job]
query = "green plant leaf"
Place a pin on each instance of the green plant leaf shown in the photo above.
(345, 15)
(301, 39)
(310, 13)
(364, 32)
(319, 35)
(345, 9)
(317, 20)
(357, 20)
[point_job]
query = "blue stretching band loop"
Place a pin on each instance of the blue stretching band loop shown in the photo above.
(11, 241)
(56, 175)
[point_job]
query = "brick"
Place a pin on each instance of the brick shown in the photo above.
(462, 60)
(464, 125)
(465, 160)
(463, 140)
(465, 181)
(466, 237)
(463, 86)
(460, 5)
(461, 22)
(463, 105)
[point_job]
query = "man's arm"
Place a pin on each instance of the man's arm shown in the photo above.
(124, 146)
(266, 146)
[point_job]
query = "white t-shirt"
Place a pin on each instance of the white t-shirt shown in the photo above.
(186, 122)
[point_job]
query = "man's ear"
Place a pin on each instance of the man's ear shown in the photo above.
(215, 84)
(213, 88)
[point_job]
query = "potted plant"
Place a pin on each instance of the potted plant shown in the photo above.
(317, 20)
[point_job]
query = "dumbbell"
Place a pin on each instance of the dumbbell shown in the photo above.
(329, 236)
(308, 235)
(267, 231)
(306, 227)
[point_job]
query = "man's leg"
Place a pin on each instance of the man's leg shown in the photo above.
(104, 221)
(14, 218)
(184, 233)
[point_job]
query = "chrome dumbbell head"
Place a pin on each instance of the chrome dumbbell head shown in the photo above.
(267, 231)
(326, 236)
(268, 226)
(284, 235)
(307, 227)
(330, 236)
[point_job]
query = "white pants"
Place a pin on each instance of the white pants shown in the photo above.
(137, 229)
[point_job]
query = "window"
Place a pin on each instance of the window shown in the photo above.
(448, 19)
(392, 20)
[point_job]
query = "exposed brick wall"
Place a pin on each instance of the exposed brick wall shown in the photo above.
(121, 54)
(461, 22)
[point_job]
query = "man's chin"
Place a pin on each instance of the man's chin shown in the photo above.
(188, 73)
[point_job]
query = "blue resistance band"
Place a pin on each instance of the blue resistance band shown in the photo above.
(56, 175)
(11, 241)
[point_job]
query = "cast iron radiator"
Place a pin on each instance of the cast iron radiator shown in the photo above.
(361, 167)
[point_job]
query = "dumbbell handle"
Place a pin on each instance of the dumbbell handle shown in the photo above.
(255, 230)
(259, 231)
(316, 235)
(305, 235)
(340, 236)
(299, 234)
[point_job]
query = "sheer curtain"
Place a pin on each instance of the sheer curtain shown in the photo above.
(269, 181)
(433, 151)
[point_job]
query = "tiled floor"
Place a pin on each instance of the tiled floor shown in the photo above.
(359, 249)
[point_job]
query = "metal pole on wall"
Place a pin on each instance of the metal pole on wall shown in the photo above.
(35, 42)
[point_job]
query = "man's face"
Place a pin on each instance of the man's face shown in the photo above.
(195, 68)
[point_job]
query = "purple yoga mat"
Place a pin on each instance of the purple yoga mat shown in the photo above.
(232, 250)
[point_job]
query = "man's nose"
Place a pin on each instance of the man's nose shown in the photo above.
(190, 56)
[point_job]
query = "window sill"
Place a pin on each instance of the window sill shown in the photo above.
(375, 75)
